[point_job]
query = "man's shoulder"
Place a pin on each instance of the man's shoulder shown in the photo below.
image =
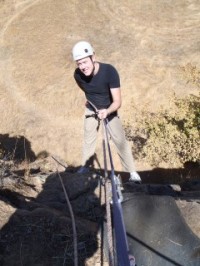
(77, 74)
(108, 68)
(106, 65)
(77, 71)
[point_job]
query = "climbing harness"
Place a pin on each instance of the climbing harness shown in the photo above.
(119, 232)
(95, 115)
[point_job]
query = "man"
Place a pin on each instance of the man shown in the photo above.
(101, 84)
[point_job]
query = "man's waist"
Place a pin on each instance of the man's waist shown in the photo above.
(91, 112)
(92, 106)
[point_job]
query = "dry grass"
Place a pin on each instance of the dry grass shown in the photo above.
(146, 41)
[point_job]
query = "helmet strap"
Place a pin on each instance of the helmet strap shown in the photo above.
(93, 66)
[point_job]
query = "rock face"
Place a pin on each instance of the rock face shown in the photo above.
(150, 43)
(157, 232)
(36, 226)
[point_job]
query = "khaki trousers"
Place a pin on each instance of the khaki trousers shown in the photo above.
(117, 134)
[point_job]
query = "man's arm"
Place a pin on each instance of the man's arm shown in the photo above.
(116, 104)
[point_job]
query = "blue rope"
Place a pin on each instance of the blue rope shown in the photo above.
(119, 227)
(121, 242)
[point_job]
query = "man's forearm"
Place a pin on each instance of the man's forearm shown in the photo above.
(113, 107)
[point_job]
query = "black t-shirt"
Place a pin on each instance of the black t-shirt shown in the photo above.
(97, 88)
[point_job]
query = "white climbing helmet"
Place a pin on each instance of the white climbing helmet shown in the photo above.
(82, 49)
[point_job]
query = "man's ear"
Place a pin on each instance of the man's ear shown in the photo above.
(93, 58)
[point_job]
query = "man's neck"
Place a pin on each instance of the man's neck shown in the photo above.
(96, 68)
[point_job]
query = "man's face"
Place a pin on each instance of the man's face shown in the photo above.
(86, 65)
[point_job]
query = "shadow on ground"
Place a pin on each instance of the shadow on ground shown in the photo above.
(39, 232)
(36, 226)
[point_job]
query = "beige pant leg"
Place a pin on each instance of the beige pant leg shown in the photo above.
(90, 136)
(117, 134)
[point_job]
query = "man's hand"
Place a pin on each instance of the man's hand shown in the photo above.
(103, 113)
(115, 105)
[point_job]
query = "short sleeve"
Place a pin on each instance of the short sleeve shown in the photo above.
(114, 80)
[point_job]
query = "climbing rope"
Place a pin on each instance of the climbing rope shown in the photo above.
(119, 238)
(108, 200)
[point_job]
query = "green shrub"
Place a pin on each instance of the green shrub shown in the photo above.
(169, 136)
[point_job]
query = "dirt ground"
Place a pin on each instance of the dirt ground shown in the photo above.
(155, 47)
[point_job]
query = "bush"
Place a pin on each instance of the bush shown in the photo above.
(170, 136)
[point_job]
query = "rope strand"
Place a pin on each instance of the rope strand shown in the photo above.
(108, 199)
